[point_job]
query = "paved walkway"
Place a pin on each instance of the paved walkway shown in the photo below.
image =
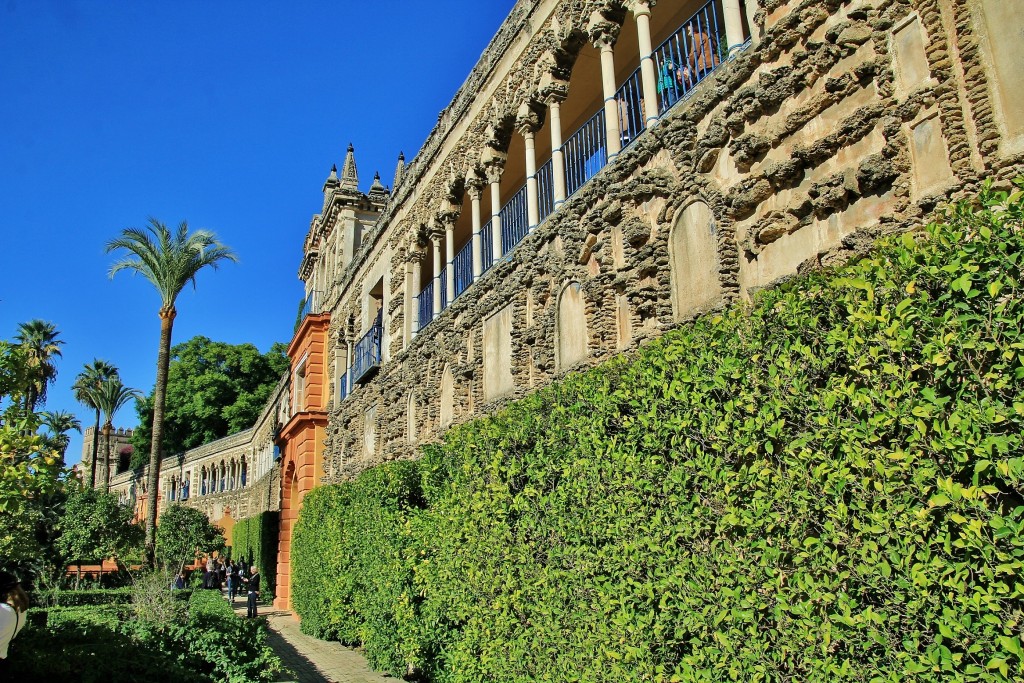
(308, 659)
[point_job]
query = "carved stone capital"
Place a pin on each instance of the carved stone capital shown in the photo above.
(552, 88)
(475, 182)
(529, 118)
(493, 163)
(641, 7)
(602, 31)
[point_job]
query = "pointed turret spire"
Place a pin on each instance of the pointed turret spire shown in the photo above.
(349, 177)
(332, 179)
(378, 192)
(399, 169)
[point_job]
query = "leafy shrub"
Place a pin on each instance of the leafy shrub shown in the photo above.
(255, 540)
(205, 641)
(823, 486)
(351, 551)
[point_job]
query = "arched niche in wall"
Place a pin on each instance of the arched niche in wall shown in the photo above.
(447, 408)
(571, 333)
(693, 258)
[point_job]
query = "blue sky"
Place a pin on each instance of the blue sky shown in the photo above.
(225, 114)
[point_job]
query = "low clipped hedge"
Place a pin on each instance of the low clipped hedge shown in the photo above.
(74, 598)
(255, 540)
(825, 485)
(205, 642)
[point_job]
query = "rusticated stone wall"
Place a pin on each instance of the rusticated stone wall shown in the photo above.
(841, 122)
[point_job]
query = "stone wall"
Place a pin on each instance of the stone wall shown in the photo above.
(840, 122)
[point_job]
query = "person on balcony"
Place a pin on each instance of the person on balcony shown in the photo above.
(701, 56)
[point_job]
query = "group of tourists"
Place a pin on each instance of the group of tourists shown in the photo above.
(237, 577)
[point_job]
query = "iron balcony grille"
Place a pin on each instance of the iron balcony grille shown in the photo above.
(585, 153)
(463, 267)
(366, 356)
(689, 55)
(514, 223)
(425, 302)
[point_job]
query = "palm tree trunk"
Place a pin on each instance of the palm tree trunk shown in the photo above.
(159, 395)
(95, 449)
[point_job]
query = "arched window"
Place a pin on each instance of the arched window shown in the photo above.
(244, 472)
(693, 258)
(571, 334)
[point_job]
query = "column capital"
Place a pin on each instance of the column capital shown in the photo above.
(475, 182)
(641, 7)
(529, 118)
(493, 170)
(602, 31)
(415, 254)
(447, 217)
(552, 89)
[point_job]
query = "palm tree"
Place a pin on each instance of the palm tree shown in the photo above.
(112, 396)
(39, 340)
(87, 384)
(58, 424)
(169, 261)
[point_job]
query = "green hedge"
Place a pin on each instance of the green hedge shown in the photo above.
(825, 485)
(352, 583)
(109, 643)
(255, 540)
(72, 598)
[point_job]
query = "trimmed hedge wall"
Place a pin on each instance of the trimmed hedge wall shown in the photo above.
(823, 486)
(255, 539)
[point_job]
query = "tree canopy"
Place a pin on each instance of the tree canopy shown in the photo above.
(213, 389)
(183, 534)
(95, 526)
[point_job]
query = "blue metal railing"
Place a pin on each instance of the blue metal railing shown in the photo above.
(514, 223)
(366, 355)
(689, 55)
(425, 302)
(630, 101)
(487, 245)
(311, 306)
(342, 394)
(585, 153)
(545, 191)
(463, 266)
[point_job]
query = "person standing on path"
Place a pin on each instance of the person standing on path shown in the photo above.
(253, 583)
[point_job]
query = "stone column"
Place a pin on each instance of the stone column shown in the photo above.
(604, 33)
(494, 178)
(474, 187)
(448, 217)
(732, 17)
(414, 315)
(410, 297)
(435, 237)
(532, 210)
(554, 102)
(648, 79)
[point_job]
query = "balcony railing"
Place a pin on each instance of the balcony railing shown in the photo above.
(514, 223)
(687, 57)
(463, 267)
(312, 304)
(487, 245)
(425, 302)
(366, 356)
(343, 392)
(545, 191)
(585, 153)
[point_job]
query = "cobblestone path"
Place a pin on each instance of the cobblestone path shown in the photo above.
(310, 660)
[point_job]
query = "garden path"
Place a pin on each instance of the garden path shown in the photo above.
(308, 659)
